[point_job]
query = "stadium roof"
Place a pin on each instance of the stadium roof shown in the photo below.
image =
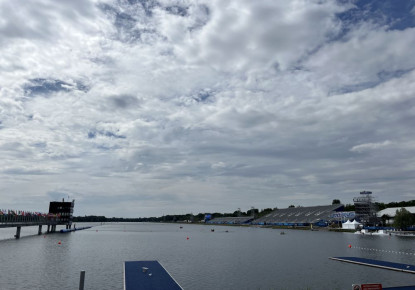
(392, 211)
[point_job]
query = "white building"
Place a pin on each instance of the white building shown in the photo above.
(391, 212)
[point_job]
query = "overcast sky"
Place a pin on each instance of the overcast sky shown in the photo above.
(149, 107)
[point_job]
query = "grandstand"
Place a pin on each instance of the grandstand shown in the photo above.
(299, 216)
(231, 220)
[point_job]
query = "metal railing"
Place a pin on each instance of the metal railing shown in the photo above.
(11, 218)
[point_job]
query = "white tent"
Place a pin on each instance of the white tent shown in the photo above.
(347, 225)
(351, 225)
(355, 224)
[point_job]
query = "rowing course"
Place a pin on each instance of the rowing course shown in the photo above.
(377, 264)
(148, 275)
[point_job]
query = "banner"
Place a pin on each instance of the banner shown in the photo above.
(343, 215)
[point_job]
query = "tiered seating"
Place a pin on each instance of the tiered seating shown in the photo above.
(231, 220)
(298, 215)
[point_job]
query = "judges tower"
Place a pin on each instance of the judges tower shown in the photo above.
(365, 208)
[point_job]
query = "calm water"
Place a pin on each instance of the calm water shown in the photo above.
(243, 258)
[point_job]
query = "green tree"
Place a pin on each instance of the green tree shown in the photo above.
(349, 207)
(251, 212)
(336, 201)
(385, 219)
(380, 205)
(265, 211)
(403, 219)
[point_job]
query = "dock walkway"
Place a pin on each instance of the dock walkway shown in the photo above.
(378, 264)
(147, 275)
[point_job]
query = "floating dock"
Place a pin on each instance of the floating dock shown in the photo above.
(74, 229)
(377, 264)
(147, 275)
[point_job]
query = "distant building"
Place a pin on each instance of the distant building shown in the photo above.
(365, 208)
(63, 210)
(388, 214)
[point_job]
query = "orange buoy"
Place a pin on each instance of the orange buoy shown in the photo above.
(350, 246)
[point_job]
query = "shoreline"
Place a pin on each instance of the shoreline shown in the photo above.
(316, 229)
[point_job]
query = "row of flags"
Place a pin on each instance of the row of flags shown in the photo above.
(26, 213)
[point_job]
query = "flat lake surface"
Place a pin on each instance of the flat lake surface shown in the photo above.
(228, 258)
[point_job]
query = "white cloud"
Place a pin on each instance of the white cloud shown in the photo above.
(191, 105)
(370, 146)
(366, 58)
(250, 35)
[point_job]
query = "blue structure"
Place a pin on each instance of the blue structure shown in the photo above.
(208, 217)
(147, 275)
(74, 229)
(378, 264)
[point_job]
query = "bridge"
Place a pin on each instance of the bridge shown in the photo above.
(60, 213)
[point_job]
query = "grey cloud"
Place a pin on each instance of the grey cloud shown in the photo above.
(151, 157)
(15, 25)
(124, 101)
(16, 149)
(93, 134)
(24, 171)
(366, 59)
(201, 14)
(21, 20)
(142, 196)
(177, 10)
(242, 34)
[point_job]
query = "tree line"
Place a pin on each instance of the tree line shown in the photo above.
(174, 218)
